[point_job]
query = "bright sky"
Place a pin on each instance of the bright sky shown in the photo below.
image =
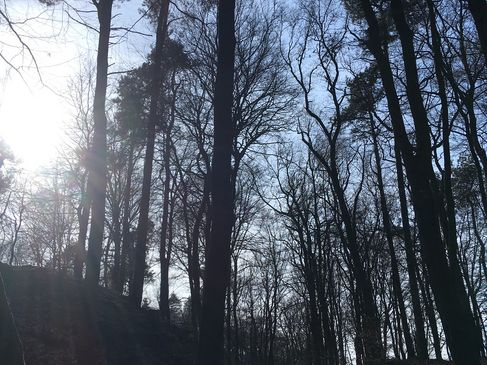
(34, 113)
(34, 109)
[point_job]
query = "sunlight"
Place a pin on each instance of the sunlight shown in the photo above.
(31, 114)
(31, 124)
(244, 181)
(34, 113)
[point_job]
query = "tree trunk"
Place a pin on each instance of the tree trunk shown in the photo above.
(194, 258)
(97, 176)
(478, 8)
(386, 221)
(420, 339)
(217, 268)
(317, 350)
(370, 325)
(236, 346)
(126, 221)
(117, 243)
(137, 282)
(83, 218)
(165, 249)
(431, 315)
(450, 294)
(18, 225)
(447, 287)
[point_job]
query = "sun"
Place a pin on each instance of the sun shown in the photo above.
(32, 115)
(34, 111)
(31, 123)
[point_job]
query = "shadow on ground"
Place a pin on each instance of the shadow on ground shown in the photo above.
(62, 322)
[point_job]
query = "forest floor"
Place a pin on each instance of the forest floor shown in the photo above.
(425, 362)
(62, 322)
(422, 362)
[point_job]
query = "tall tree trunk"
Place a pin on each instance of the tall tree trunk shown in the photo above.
(117, 243)
(451, 299)
(420, 338)
(447, 212)
(472, 293)
(165, 265)
(369, 328)
(431, 315)
(137, 282)
(370, 325)
(478, 8)
(83, 218)
(317, 349)
(358, 340)
(17, 226)
(228, 328)
(165, 249)
(126, 220)
(236, 346)
(194, 258)
(97, 176)
(217, 266)
(386, 221)
(447, 286)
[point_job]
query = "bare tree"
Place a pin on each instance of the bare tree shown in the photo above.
(97, 174)
(137, 283)
(217, 265)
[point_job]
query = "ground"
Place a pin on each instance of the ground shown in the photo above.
(61, 321)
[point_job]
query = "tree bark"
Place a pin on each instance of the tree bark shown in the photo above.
(448, 288)
(217, 266)
(478, 8)
(386, 221)
(165, 245)
(97, 176)
(194, 258)
(420, 338)
(126, 220)
(80, 251)
(117, 243)
(137, 282)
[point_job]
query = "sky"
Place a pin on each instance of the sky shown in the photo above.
(34, 112)
(34, 96)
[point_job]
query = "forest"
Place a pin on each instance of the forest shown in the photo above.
(291, 181)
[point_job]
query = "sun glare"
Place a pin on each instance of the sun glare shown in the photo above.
(31, 124)
(33, 111)
(34, 114)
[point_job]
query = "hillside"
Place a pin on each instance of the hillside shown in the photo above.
(62, 322)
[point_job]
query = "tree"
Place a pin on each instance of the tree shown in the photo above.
(478, 8)
(320, 165)
(11, 347)
(76, 152)
(451, 298)
(137, 283)
(328, 150)
(97, 175)
(217, 265)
